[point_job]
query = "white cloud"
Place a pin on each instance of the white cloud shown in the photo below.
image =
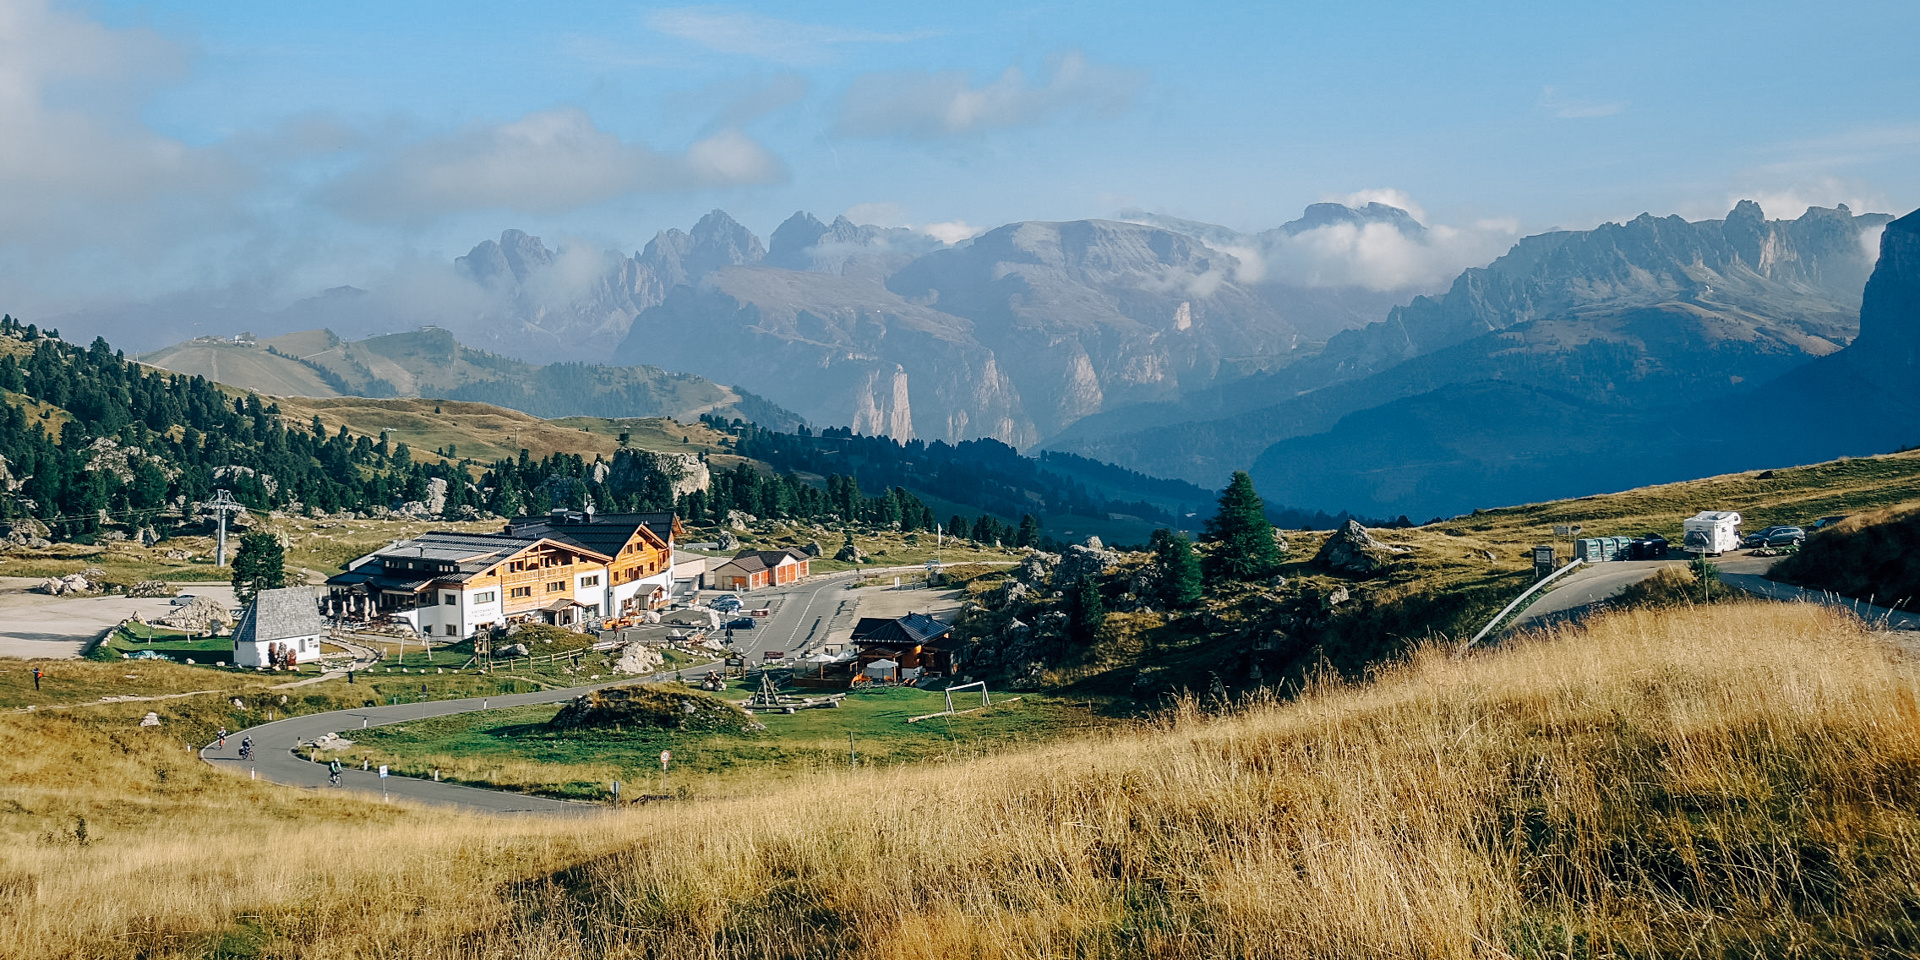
(768, 38)
(951, 232)
(1377, 255)
(1386, 195)
(932, 105)
(1568, 108)
(1788, 200)
(76, 160)
(887, 214)
(550, 161)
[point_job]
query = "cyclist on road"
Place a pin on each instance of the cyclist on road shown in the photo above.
(223, 738)
(246, 748)
(333, 771)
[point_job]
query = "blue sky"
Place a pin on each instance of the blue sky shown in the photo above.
(274, 149)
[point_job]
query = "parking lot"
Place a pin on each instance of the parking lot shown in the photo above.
(37, 625)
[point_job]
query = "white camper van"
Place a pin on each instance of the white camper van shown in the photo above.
(1712, 532)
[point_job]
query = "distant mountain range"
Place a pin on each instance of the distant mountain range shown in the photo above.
(1015, 334)
(431, 363)
(1172, 347)
(1486, 441)
(1623, 318)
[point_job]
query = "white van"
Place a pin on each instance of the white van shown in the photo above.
(1711, 533)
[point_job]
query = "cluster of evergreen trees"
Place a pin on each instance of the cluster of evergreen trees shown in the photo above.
(192, 435)
(984, 474)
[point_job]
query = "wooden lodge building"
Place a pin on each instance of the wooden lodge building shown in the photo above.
(916, 644)
(568, 569)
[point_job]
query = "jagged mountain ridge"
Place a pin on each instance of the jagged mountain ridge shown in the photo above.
(1011, 335)
(1624, 315)
(1489, 442)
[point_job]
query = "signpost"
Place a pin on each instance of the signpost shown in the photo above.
(383, 782)
(666, 757)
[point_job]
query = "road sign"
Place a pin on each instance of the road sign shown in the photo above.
(383, 771)
(665, 757)
(1566, 529)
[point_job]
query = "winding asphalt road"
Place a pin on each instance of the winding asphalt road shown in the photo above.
(802, 615)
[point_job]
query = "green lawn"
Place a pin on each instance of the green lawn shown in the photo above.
(514, 748)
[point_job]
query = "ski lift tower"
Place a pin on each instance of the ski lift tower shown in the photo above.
(223, 504)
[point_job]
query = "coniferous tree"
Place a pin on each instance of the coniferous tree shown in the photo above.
(1243, 539)
(1180, 584)
(1086, 613)
(259, 564)
(1029, 535)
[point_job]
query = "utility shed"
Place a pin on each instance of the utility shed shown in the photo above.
(281, 627)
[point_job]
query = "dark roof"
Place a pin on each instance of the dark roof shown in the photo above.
(754, 561)
(442, 555)
(601, 532)
(912, 630)
(280, 614)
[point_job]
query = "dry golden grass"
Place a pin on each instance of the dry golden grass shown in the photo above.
(1735, 781)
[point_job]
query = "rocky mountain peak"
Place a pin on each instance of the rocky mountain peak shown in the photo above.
(718, 241)
(792, 239)
(1890, 310)
(1333, 214)
(516, 255)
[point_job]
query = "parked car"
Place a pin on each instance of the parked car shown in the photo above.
(1778, 536)
(1824, 522)
(1649, 546)
(741, 623)
(183, 599)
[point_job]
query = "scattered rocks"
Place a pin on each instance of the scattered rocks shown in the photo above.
(650, 706)
(327, 741)
(813, 548)
(850, 554)
(1090, 559)
(150, 720)
(151, 588)
(513, 650)
(639, 658)
(68, 585)
(1352, 550)
(727, 541)
(200, 615)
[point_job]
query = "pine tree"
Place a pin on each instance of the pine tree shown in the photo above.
(1180, 585)
(1029, 535)
(1086, 613)
(1243, 539)
(259, 564)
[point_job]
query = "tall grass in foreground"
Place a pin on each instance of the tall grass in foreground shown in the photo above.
(1735, 781)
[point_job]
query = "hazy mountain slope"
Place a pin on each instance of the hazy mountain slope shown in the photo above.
(1625, 314)
(1485, 443)
(432, 363)
(243, 365)
(841, 350)
(1009, 336)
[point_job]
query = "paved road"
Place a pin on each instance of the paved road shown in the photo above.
(803, 614)
(277, 757)
(1584, 589)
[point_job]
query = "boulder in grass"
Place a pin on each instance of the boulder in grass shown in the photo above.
(1353, 551)
(659, 706)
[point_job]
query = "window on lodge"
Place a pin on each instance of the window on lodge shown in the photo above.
(518, 592)
(556, 586)
(592, 581)
(485, 596)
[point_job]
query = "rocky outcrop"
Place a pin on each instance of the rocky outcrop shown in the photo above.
(649, 706)
(674, 474)
(1082, 560)
(1889, 343)
(1352, 551)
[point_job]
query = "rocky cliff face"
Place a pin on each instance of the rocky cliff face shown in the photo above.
(1890, 313)
(1809, 271)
